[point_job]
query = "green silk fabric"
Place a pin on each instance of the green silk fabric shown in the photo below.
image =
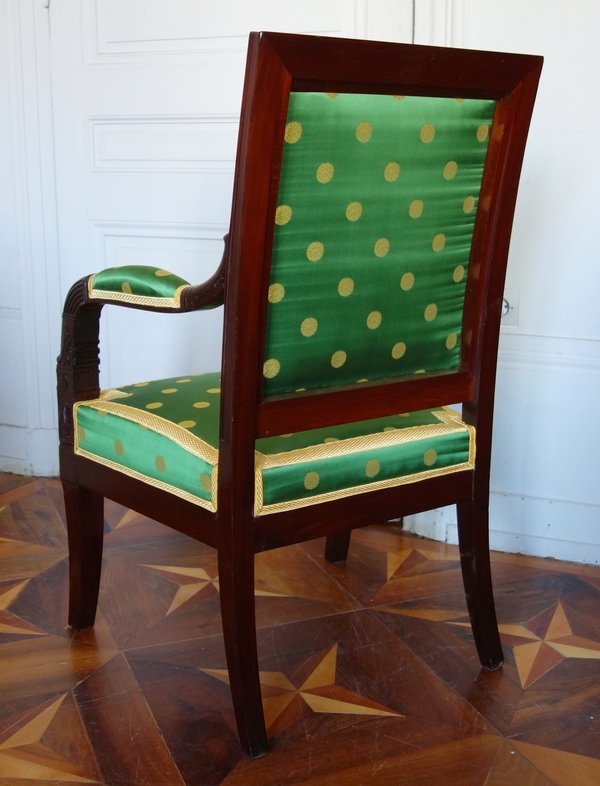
(376, 209)
(138, 280)
(155, 429)
(143, 450)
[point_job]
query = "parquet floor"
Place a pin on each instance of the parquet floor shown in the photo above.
(368, 669)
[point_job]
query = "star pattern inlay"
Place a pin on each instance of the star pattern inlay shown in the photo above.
(195, 584)
(11, 623)
(24, 755)
(538, 645)
(311, 687)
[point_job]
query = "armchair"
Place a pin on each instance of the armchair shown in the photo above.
(362, 283)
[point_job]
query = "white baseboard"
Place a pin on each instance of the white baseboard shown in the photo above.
(28, 451)
(525, 525)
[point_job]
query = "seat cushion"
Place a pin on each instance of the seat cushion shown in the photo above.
(166, 433)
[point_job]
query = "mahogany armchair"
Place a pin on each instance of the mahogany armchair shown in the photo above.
(362, 284)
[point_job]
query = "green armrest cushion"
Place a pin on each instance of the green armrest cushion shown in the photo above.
(139, 285)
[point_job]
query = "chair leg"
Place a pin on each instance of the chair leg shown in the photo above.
(336, 547)
(473, 538)
(85, 527)
(236, 586)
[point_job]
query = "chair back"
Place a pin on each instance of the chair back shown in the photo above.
(373, 230)
(373, 202)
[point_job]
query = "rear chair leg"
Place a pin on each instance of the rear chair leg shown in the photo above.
(473, 538)
(236, 588)
(85, 527)
(336, 547)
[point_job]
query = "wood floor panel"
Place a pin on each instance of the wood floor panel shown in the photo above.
(510, 767)
(368, 670)
(128, 745)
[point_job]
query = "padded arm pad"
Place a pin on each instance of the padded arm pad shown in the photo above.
(138, 285)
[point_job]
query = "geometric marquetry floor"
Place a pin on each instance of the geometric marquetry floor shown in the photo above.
(368, 670)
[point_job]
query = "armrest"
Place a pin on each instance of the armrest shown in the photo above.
(78, 364)
(151, 288)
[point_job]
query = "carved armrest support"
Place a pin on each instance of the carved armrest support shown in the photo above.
(78, 369)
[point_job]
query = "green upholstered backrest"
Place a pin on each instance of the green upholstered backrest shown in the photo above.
(376, 209)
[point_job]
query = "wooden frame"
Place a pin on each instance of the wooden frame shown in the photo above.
(278, 63)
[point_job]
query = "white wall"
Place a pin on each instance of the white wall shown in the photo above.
(546, 495)
(546, 498)
(28, 246)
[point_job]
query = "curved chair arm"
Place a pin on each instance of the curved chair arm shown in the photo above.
(78, 369)
(154, 289)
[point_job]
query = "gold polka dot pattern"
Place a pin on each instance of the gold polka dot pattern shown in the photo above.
(416, 208)
(391, 172)
(160, 463)
(439, 241)
(398, 350)
(458, 274)
(431, 312)
(354, 211)
(346, 287)
(325, 172)
(282, 215)
(450, 170)
(364, 131)
(429, 457)
(311, 480)
(407, 281)
(381, 247)
(427, 133)
(293, 132)
(469, 204)
(276, 293)
(367, 183)
(338, 358)
(309, 326)
(119, 449)
(482, 132)
(126, 287)
(271, 368)
(374, 320)
(315, 251)
(372, 467)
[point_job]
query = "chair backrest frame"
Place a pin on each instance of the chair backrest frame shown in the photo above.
(277, 64)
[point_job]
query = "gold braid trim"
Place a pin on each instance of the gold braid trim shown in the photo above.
(293, 504)
(159, 484)
(138, 300)
(180, 436)
(451, 424)
(111, 393)
(214, 486)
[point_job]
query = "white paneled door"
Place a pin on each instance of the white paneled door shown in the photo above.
(146, 98)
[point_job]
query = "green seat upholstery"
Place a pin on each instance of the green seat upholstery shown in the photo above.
(138, 285)
(166, 433)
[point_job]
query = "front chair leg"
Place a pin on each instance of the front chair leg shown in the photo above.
(473, 538)
(85, 527)
(336, 547)
(236, 587)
